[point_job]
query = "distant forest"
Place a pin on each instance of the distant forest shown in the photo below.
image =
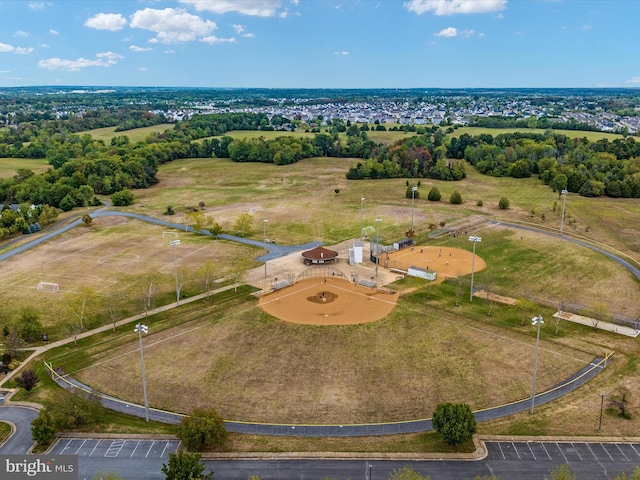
(82, 167)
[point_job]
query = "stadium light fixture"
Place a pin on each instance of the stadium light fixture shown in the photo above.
(264, 228)
(140, 329)
(475, 239)
(564, 202)
(413, 195)
(174, 244)
(535, 321)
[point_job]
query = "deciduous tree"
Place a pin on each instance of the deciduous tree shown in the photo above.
(185, 466)
(455, 422)
(203, 430)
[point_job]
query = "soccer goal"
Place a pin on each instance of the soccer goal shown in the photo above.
(48, 287)
(368, 231)
(170, 234)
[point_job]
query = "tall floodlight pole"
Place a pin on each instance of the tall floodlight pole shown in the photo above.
(174, 244)
(413, 195)
(378, 220)
(535, 321)
(475, 239)
(564, 202)
(602, 395)
(140, 329)
(264, 225)
(361, 200)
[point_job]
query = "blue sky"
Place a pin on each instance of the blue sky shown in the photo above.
(321, 43)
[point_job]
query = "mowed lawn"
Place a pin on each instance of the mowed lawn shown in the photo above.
(9, 166)
(252, 367)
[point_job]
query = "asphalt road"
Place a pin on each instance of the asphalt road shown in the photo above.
(137, 459)
(20, 441)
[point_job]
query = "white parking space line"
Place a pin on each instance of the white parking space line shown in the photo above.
(603, 447)
(563, 455)
(66, 446)
(534, 455)
(168, 444)
(150, 447)
(136, 447)
(516, 450)
(577, 452)
(500, 446)
(625, 457)
(545, 450)
(94, 448)
(81, 445)
(114, 448)
(634, 449)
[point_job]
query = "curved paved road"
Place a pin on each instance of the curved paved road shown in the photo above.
(20, 441)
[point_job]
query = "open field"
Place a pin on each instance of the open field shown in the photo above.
(253, 367)
(9, 166)
(117, 259)
(135, 135)
(591, 136)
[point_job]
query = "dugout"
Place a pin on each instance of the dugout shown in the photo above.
(404, 243)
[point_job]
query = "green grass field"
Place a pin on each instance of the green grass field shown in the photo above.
(9, 166)
(591, 136)
(135, 135)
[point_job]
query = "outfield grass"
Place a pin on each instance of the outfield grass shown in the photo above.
(9, 166)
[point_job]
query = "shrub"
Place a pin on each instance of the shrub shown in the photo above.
(479, 203)
(434, 195)
(185, 465)
(28, 379)
(122, 198)
(456, 198)
(203, 430)
(503, 204)
(455, 422)
(43, 430)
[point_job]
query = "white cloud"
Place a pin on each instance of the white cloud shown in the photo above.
(35, 6)
(105, 59)
(258, 8)
(634, 80)
(6, 48)
(238, 28)
(212, 40)
(452, 7)
(170, 51)
(53, 32)
(249, 35)
(344, 52)
(587, 27)
(142, 69)
(172, 25)
(482, 35)
(283, 14)
(44, 45)
(135, 48)
(107, 21)
(447, 32)
(468, 33)
(20, 33)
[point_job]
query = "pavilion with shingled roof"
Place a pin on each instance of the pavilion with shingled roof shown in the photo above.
(319, 256)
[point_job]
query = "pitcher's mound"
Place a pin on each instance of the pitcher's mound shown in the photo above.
(315, 301)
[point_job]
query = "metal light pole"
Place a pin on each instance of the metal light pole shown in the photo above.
(140, 329)
(378, 220)
(369, 468)
(174, 244)
(535, 321)
(361, 200)
(413, 195)
(475, 239)
(564, 202)
(264, 225)
(602, 395)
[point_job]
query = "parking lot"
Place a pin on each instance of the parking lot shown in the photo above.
(564, 452)
(115, 448)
